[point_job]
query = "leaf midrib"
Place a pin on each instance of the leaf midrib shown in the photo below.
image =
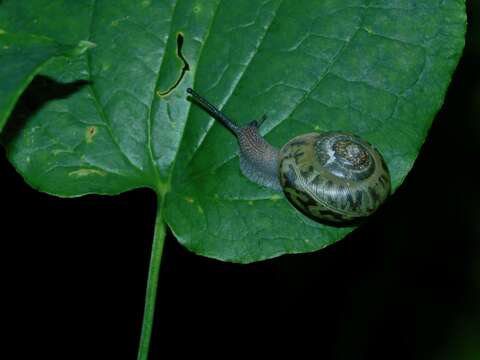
(159, 186)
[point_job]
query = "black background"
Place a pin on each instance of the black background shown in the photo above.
(406, 285)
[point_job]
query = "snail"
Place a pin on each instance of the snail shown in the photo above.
(332, 177)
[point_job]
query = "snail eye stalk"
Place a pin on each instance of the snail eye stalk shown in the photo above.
(213, 111)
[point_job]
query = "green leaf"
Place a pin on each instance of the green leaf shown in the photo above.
(376, 68)
(22, 56)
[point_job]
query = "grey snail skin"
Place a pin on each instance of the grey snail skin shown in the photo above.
(333, 177)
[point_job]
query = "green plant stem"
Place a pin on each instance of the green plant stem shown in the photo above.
(152, 284)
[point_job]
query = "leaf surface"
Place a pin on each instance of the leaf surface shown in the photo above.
(376, 68)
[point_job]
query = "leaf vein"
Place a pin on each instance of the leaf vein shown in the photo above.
(95, 98)
(150, 109)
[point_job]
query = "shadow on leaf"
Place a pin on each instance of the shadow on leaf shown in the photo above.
(40, 92)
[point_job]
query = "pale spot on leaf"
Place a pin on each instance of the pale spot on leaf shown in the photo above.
(90, 133)
(86, 172)
(59, 151)
(118, 21)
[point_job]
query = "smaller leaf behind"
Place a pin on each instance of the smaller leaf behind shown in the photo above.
(22, 56)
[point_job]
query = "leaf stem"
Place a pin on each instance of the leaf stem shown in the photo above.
(152, 284)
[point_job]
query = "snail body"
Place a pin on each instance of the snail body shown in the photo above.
(332, 177)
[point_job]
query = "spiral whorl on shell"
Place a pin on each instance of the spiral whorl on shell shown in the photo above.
(333, 176)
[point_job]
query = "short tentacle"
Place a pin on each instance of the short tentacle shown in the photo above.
(259, 122)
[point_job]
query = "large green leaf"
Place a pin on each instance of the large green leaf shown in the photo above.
(376, 68)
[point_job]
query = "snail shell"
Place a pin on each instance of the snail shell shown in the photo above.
(333, 177)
